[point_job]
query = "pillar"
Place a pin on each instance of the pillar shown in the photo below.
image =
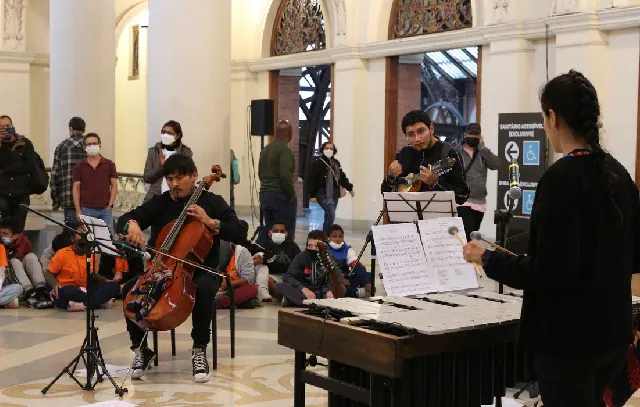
(190, 78)
(82, 72)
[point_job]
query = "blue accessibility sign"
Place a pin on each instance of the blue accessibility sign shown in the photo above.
(527, 202)
(531, 152)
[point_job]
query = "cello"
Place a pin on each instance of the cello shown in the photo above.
(164, 296)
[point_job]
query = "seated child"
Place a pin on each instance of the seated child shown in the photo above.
(9, 293)
(69, 267)
(238, 263)
(304, 279)
(24, 267)
(346, 258)
(62, 240)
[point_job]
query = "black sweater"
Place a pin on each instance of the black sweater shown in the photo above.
(577, 275)
(16, 162)
(162, 209)
(318, 177)
(411, 160)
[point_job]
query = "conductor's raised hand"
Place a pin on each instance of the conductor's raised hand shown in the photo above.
(134, 235)
(395, 168)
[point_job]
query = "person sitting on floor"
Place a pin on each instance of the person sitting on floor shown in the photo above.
(24, 267)
(346, 258)
(305, 279)
(60, 241)
(274, 260)
(69, 267)
(238, 264)
(9, 293)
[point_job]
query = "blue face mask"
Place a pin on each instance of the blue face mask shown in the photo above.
(6, 241)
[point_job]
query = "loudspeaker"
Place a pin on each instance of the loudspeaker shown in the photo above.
(262, 117)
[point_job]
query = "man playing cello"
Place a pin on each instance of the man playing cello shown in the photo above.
(181, 175)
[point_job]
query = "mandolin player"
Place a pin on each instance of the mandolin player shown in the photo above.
(181, 175)
(426, 149)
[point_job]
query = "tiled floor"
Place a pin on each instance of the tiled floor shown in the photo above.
(36, 344)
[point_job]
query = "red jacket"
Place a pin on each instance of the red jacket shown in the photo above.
(20, 248)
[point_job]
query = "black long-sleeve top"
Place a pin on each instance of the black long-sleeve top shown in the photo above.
(318, 173)
(411, 160)
(577, 275)
(162, 209)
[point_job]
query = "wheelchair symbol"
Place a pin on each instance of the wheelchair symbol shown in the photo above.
(527, 202)
(531, 153)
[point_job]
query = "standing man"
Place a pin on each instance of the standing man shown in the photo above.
(16, 164)
(476, 159)
(67, 155)
(95, 183)
(277, 194)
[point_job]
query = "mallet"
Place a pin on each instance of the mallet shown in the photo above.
(454, 231)
(478, 236)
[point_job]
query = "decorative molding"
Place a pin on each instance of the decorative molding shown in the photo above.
(567, 6)
(500, 10)
(24, 57)
(14, 25)
(340, 20)
(619, 18)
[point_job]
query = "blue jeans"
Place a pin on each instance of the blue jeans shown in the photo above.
(276, 207)
(101, 213)
(9, 292)
(329, 208)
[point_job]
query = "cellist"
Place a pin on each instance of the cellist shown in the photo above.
(181, 175)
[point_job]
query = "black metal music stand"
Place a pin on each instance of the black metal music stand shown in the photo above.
(90, 351)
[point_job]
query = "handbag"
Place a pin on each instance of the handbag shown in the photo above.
(343, 191)
(627, 381)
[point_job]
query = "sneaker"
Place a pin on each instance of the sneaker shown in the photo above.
(286, 302)
(75, 306)
(200, 365)
(251, 304)
(13, 304)
(108, 304)
(141, 362)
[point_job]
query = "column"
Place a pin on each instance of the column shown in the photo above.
(190, 78)
(82, 73)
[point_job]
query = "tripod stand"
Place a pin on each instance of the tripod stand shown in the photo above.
(90, 352)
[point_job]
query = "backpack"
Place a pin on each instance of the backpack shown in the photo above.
(39, 176)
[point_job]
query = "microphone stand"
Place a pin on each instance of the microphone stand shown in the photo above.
(502, 218)
(90, 351)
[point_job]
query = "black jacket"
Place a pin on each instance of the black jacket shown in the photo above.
(577, 275)
(317, 178)
(279, 257)
(16, 162)
(411, 160)
(162, 209)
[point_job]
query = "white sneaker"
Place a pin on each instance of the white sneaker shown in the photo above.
(141, 362)
(200, 365)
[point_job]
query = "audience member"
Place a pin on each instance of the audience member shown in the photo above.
(62, 240)
(9, 293)
(238, 264)
(359, 284)
(66, 156)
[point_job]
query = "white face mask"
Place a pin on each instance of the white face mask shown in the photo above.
(278, 238)
(168, 139)
(93, 150)
(328, 153)
(336, 246)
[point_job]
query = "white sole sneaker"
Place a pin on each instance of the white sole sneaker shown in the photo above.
(201, 377)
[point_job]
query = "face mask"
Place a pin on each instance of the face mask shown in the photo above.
(93, 150)
(472, 141)
(278, 238)
(167, 139)
(6, 241)
(312, 253)
(336, 246)
(328, 153)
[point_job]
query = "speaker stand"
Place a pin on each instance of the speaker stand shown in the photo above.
(261, 226)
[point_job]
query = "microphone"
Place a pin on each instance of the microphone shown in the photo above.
(514, 180)
(123, 246)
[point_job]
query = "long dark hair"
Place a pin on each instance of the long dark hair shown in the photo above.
(574, 99)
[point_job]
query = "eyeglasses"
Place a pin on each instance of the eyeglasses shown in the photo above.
(92, 144)
(421, 132)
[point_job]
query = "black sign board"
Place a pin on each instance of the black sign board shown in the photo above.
(521, 137)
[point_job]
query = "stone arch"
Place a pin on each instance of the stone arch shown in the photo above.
(129, 14)
(329, 9)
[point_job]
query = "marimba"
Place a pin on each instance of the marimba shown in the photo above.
(435, 350)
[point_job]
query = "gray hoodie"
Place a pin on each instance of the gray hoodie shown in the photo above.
(477, 175)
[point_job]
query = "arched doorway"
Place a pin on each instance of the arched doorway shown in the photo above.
(302, 95)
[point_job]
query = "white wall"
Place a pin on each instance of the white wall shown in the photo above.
(131, 101)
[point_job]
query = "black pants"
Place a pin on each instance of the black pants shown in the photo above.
(206, 288)
(573, 381)
(471, 219)
(108, 263)
(100, 293)
(276, 207)
(10, 207)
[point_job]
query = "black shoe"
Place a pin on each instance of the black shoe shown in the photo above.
(141, 362)
(200, 365)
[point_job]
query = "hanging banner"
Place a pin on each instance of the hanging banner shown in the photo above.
(521, 137)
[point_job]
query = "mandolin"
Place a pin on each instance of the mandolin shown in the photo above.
(330, 267)
(412, 183)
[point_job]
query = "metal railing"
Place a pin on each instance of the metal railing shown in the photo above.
(131, 192)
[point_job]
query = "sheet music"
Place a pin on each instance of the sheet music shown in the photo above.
(443, 254)
(401, 206)
(401, 258)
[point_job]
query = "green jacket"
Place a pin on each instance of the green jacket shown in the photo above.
(276, 169)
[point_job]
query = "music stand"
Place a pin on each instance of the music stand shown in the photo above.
(403, 207)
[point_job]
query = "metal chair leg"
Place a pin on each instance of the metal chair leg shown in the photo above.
(232, 317)
(155, 347)
(214, 337)
(173, 342)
